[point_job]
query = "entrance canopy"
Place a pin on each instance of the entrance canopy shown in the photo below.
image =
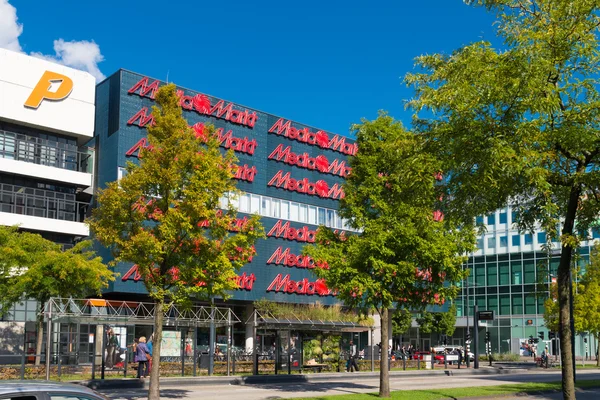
(102, 311)
(266, 320)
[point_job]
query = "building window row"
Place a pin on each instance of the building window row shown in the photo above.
(266, 206)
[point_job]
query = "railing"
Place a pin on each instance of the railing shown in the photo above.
(41, 203)
(20, 147)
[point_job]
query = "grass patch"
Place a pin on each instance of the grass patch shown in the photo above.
(443, 394)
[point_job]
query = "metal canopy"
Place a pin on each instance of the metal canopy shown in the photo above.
(101, 311)
(266, 320)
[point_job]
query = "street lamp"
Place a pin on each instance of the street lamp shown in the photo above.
(475, 324)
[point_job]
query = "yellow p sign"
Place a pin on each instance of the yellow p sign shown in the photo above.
(42, 91)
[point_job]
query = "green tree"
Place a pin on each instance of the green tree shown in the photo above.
(519, 125)
(426, 322)
(587, 298)
(35, 268)
(401, 321)
(164, 216)
(443, 323)
(405, 252)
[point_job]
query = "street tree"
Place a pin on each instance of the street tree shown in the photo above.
(440, 322)
(519, 125)
(401, 322)
(404, 251)
(587, 298)
(164, 216)
(32, 267)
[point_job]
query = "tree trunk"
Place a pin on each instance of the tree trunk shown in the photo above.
(564, 298)
(154, 392)
(384, 371)
(40, 340)
(597, 352)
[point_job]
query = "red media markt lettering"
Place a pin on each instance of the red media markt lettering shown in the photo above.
(290, 233)
(199, 103)
(288, 259)
(319, 138)
(319, 163)
(304, 186)
(304, 286)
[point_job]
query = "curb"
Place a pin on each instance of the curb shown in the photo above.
(133, 383)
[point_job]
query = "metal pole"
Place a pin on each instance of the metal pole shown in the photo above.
(372, 350)
(94, 356)
(103, 352)
(212, 334)
(183, 335)
(48, 339)
(255, 345)
(195, 352)
(228, 340)
(572, 324)
(475, 338)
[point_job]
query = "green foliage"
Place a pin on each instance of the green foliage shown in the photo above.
(445, 322)
(39, 269)
(587, 300)
(425, 322)
(402, 253)
(312, 312)
(520, 125)
(401, 321)
(164, 216)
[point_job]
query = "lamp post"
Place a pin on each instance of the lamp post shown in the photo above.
(475, 335)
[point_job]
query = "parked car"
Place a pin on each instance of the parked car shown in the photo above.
(32, 390)
(419, 355)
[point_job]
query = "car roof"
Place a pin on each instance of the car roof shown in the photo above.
(35, 386)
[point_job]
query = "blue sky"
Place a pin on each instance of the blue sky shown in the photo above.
(323, 63)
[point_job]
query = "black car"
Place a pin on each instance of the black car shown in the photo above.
(36, 390)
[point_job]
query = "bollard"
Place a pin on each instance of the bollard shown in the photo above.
(404, 363)
(233, 364)
(445, 361)
(125, 364)
(23, 366)
(59, 363)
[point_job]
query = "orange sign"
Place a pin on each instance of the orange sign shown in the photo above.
(42, 91)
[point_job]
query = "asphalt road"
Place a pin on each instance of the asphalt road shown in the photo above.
(349, 383)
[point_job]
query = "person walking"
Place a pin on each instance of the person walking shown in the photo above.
(352, 366)
(141, 352)
(149, 355)
(111, 345)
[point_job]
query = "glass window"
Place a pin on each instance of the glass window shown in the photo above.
(513, 217)
(541, 237)
(479, 220)
(596, 233)
(491, 219)
(530, 303)
(516, 272)
(503, 218)
(480, 243)
(492, 303)
(330, 218)
(312, 215)
(338, 220)
(516, 240)
(275, 205)
(255, 204)
(235, 203)
(480, 274)
(321, 220)
(285, 209)
(503, 241)
(265, 206)
(504, 304)
(245, 203)
(491, 242)
(294, 209)
(529, 271)
(517, 304)
(303, 213)
(492, 274)
(528, 238)
(504, 273)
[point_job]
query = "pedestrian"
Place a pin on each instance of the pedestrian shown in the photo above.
(351, 365)
(149, 355)
(111, 345)
(141, 351)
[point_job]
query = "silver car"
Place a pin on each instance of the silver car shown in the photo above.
(36, 390)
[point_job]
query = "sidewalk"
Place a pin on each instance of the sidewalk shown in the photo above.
(131, 383)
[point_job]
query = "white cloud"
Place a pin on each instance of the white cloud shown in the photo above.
(10, 29)
(83, 54)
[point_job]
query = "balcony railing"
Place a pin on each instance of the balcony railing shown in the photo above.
(20, 147)
(41, 203)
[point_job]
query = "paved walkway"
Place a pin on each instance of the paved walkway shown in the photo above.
(351, 383)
